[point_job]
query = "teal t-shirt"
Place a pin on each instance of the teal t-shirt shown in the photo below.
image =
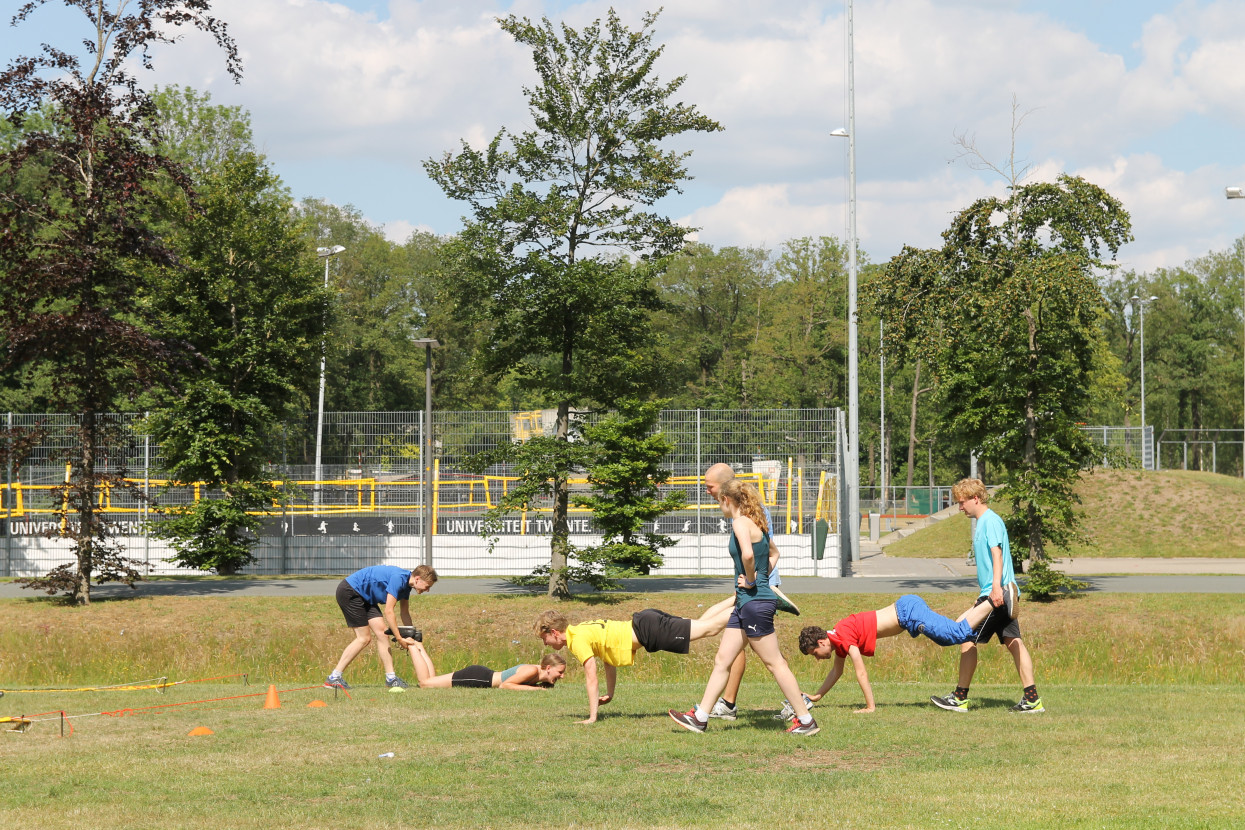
(991, 533)
(510, 672)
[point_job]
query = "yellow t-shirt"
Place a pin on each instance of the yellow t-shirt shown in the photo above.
(607, 640)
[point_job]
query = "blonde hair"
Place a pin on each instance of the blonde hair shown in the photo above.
(748, 500)
(550, 621)
(967, 488)
(426, 573)
(552, 659)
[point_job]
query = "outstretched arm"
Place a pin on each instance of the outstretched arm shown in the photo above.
(862, 677)
(836, 671)
(523, 680)
(590, 683)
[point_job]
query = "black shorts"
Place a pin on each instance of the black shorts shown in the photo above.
(472, 677)
(659, 631)
(354, 607)
(997, 624)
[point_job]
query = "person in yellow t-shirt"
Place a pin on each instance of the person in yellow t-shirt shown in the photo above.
(615, 642)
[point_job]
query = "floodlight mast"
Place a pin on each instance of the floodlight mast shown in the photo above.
(325, 254)
(1239, 193)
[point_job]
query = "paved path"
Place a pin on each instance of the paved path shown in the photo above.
(877, 584)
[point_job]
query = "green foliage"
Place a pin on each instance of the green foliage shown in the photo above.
(217, 534)
(555, 212)
(1043, 583)
(626, 473)
(1010, 319)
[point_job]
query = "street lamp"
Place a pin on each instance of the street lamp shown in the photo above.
(426, 451)
(1239, 193)
(325, 254)
(1140, 305)
(851, 467)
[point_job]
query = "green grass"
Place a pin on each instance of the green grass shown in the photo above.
(1143, 728)
(1127, 513)
(1135, 756)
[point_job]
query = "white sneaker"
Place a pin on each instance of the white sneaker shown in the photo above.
(788, 711)
(722, 710)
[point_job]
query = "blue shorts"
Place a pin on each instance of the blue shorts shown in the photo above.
(917, 618)
(755, 618)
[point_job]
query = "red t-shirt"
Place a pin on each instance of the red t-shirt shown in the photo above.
(860, 630)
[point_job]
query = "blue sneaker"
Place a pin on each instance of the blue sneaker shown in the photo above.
(336, 683)
(397, 685)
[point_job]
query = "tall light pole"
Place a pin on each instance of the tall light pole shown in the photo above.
(325, 254)
(851, 466)
(426, 452)
(1239, 193)
(1140, 305)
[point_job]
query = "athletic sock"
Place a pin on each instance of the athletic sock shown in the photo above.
(730, 704)
(1031, 693)
(335, 676)
(390, 676)
(700, 716)
(806, 720)
(961, 692)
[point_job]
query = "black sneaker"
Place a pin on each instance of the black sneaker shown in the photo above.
(397, 685)
(688, 720)
(407, 631)
(336, 683)
(1025, 707)
(951, 703)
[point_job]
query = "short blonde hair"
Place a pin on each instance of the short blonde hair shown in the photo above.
(967, 488)
(426, 573)
(550, 621)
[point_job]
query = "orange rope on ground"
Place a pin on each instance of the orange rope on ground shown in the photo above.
(136, 685)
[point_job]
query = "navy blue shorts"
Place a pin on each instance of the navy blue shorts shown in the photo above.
(755, 618)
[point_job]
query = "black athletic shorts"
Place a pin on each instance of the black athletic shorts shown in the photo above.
(659, 631)
(472, 677)
(354, 607)
(997, 624)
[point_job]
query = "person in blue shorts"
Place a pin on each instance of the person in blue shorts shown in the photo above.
(996, 579)
(725, 707)
(367, 599)
(751, 623)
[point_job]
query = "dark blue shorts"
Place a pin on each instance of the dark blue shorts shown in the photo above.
(755, 618)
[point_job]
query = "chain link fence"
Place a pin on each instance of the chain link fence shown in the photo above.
(377, 486)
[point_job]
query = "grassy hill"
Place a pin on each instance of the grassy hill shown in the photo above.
(1127, 513)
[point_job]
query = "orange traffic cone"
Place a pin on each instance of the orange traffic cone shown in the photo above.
(315, 704)
(201, 730)
(271, 701)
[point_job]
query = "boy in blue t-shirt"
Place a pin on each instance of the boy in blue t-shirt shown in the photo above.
(367, 599)
(996, 580)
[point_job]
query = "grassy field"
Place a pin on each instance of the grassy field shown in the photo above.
(1143, 727)
(1128, 513)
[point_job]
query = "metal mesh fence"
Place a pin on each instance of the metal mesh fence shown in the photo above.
(375, 487)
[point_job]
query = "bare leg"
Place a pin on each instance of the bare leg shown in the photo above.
(713, 621)
(968, 663)
(1024, 663)
(977, 615)
(377, 624)
(422, 663)
(732, 644)
(767, 649)
(731, 694)
(362, 637)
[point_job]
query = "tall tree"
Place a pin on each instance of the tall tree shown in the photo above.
(246, 295)
(1010, 318)
(554, 209)
(69, 253)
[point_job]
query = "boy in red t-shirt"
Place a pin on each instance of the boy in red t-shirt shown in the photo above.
(856, 636)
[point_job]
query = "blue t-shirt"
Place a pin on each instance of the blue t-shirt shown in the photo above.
(991, 533)
(376, 583)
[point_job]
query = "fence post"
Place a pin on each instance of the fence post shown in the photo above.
(699, 491)
(9, 501)
(146, 496)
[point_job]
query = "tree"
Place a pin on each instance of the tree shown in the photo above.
(72, 242)
(1009, 317)
(626, 473)
(246, 295)
(555, 209)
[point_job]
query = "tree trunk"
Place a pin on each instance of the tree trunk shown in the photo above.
(1037, 550)
(559, 544)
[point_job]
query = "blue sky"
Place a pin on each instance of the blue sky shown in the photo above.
(1142, 97)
